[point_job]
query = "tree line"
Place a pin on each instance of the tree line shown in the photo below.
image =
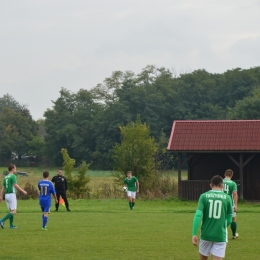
(87, 123)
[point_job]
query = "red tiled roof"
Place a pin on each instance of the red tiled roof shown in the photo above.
(215, 135)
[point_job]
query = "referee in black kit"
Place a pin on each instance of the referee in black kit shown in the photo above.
(60, 183)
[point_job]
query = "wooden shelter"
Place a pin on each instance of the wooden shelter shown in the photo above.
(211, 147)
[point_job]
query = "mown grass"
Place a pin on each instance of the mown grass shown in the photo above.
(107, 229)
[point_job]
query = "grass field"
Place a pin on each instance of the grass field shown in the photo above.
(107, 229)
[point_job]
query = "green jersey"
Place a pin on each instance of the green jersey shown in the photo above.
(131, 183)
(229, 187)
(9, 182)
(215, 206)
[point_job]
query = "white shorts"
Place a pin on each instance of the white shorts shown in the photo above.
(215, 248)
(233, 212)
(131, 194)
(11, 201)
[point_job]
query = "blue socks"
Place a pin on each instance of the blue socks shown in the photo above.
(44, 221)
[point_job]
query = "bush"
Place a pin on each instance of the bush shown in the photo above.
(107, 191)
(32, 192)
(77, 185)
(158, 186)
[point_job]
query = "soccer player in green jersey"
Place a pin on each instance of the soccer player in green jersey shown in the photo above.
(9, 187)
(215, 210)
(132, 184)
(230, 188)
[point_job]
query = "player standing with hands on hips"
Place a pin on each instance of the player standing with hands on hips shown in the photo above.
(9, 187)
(46, 189)
(61, 187)
(215, 210)
(132, 184)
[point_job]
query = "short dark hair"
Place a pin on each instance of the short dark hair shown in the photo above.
(217, 181)
(11, 167)
(229, 173)
(130, 172)
(45, 174)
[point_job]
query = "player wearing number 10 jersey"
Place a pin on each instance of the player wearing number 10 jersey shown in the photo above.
(215, 210)
(46, 189)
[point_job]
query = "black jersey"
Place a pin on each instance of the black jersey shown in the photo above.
(60, 182)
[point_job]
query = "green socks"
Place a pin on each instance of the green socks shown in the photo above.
(11, 220)
(234, 228)
(9, 215)
(131, 204)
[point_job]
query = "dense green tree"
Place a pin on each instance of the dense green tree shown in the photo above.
(136, 152)
(238, 84)
(139, 153)
(17, 128)
(70, 125)
(247, 108)
(87, 123)
(8, 101)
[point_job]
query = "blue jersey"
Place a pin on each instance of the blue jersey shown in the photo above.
(46, 189)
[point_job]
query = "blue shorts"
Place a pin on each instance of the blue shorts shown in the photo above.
(45, 209)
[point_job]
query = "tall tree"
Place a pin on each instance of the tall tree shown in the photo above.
(70, 125)
(17, 128)
(136, 151)
(247, 108)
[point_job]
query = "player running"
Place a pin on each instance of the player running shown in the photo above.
(9, 187)
(132, 185)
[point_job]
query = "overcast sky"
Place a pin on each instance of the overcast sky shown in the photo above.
(49, 44)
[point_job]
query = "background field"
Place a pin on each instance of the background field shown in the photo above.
(98, 178)
(101, 185)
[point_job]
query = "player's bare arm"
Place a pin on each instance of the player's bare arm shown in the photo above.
(55, 197)
(194, 240)
(20, 189)
(2, 193)
(137, 184)
(235, 197)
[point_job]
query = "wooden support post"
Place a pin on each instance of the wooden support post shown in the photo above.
(179, 173)
(241, 176)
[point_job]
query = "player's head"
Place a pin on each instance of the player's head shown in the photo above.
(12, 168)
(216, 181)
(229, 173)
(46, 174)
(60, 172)
(129, 174)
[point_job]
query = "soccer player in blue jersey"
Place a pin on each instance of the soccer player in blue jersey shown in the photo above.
(46, 189)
